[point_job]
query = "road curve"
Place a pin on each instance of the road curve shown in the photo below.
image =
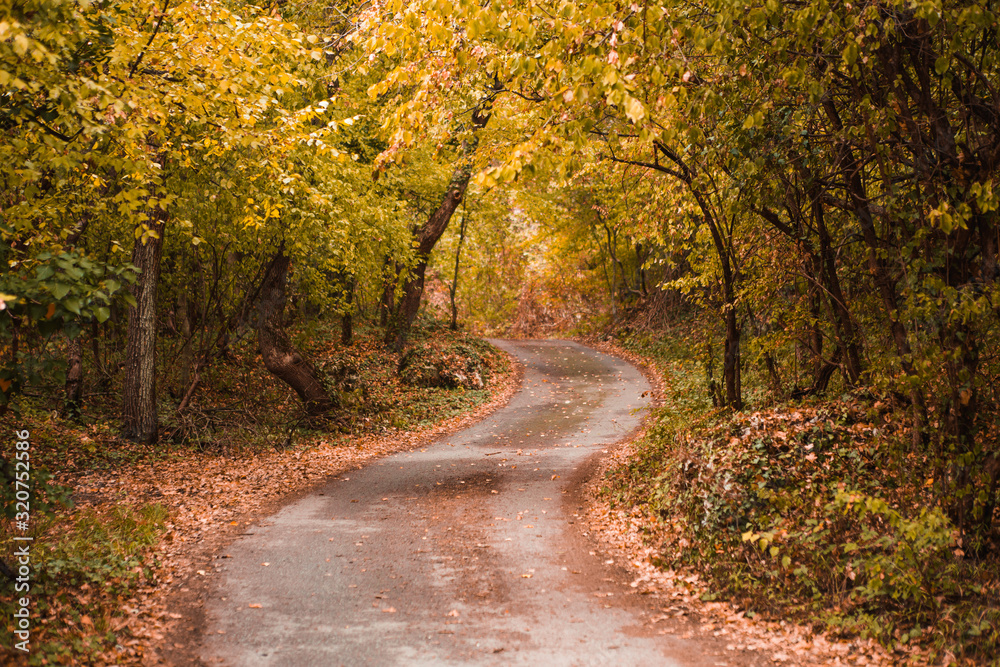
(465, 552)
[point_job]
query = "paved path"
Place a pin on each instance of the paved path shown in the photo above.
(464, 553)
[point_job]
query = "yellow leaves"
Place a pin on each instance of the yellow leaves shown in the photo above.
(21, 44)
(280, 78)
(507, 173)
(634, 109)
(754, 120)
(986, 200)
(485, 180)
(948, 218)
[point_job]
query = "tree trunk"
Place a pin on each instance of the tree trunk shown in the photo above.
(815, 325)
(454, 282)
(731, 356)
(777, 386)
(74, 377)
(843, 323)
(428, 235)
(386, 304)
(280, 356)
(731, 359)
(347, 320)
(426, 238)
(95, 349)
(139, 415)
(879, 267)
(186, 356)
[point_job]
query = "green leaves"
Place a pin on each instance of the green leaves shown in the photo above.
(942, 64)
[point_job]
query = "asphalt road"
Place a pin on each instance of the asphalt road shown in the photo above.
(467, 552)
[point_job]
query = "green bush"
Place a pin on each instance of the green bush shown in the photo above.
(465, 363)
(81, 576)
(813, 511)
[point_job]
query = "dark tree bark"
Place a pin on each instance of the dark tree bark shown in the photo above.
(347, 319)
(453, 292)
(74, 377)
(822, 266)
(816, 338)
(878, 265)
(721, 239)
(186, 357)
(426, 238)
(731, 355)
(428, 235)
(386, 304)
(139, 414)
(847, 333)
(95, 349)
(280, 356)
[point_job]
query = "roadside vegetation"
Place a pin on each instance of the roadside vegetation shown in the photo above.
(816, 510)
(99, 536)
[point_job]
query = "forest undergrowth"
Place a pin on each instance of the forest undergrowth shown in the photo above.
(815, 510)
(117, 521)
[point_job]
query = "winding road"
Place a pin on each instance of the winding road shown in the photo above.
(466, 552)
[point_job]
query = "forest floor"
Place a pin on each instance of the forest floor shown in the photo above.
(131, 531)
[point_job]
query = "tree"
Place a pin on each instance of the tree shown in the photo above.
(280, 356)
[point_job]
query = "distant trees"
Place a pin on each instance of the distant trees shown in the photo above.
(826, 175)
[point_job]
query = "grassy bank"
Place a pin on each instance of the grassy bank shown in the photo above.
(812, 510)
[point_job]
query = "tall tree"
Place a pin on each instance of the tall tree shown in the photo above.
(281, 357)
(139, 410)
